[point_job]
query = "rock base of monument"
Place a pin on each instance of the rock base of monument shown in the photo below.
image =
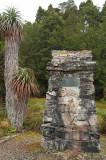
(70, 120)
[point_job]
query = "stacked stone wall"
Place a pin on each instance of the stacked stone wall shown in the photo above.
(70, 117)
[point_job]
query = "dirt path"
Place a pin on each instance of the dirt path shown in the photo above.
(26, 146)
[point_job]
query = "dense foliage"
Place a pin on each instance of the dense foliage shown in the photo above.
(69, 28)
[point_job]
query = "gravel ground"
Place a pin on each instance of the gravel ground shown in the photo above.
(23, 147)
(26, 146)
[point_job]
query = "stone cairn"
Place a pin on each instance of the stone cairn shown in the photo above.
(70, 120)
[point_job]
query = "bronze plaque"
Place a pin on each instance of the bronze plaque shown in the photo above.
(70, 82)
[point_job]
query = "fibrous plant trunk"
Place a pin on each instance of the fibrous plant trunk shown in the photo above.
(16, 107)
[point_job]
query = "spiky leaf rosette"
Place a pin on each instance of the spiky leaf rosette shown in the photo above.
(25, 83)
(11, 23)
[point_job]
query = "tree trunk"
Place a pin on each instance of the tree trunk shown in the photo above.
(20, 112)
(16, 108)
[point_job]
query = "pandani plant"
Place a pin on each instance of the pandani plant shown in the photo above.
(11, 25)
(24, 83)
(19, 83)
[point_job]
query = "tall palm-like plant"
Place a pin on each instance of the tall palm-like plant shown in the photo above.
(11, 26)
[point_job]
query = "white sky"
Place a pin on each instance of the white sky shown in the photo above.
(29, 8)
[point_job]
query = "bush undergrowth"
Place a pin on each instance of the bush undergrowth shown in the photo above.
(34, 116)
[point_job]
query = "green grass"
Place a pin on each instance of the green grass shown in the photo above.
(102, 145)
(34, 116)
(4, 123)
(101, 110)
(33, 121)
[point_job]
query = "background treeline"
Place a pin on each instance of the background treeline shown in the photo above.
(64, 28)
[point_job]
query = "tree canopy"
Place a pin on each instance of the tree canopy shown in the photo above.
(66, 27)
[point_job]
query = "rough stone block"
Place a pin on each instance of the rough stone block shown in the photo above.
(93, 120)
(94, 129)
(82, 128)
(85, 136)
(64, 108)
(94, 136)
(52, 93)
(66, 100)
(76, 135)
(48, 97)
(48, 132)
(60, 145)
(82, 117)
(66, 119)
(72, 109)
(60, 134)
(80, 123)
(51, 102)
(44, 145)
(69, 135)
(62, 92)
(47, 119)
(72, 91)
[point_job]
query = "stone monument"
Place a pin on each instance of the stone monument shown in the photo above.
(70, 120)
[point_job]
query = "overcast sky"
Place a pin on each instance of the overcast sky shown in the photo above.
(29, 8)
